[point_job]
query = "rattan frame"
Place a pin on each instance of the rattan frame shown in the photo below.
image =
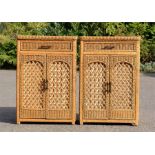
(91, 47)
(30, 45)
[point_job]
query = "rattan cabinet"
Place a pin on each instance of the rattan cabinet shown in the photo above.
(46, 68)
(109, 79)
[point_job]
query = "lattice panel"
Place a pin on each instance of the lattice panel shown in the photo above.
(58, 85)
(32, 78)
(95, 78)
(95, 96)
(122, 87)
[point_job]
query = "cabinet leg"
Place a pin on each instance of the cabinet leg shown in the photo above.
(18, 122)
(81, 123)
(135, 124)
(73, 122)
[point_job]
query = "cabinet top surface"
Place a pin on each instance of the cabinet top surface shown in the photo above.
(110, 38)
(84, 38)
(35, 37)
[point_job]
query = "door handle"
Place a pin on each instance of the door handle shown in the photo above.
(106, 87)
(109, 87)
(45, 85)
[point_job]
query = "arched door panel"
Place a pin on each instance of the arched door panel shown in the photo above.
(122, 96)
(96, 78)
(59, 93)
(32, 98)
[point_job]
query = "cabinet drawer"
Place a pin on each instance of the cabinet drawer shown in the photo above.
(102, 46)
(46, 45)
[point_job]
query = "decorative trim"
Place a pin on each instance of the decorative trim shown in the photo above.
(110, 38)
(27, 37)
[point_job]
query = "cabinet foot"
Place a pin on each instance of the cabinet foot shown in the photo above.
(18, 122)
(135, 124)
(81, 123)
(73, 123)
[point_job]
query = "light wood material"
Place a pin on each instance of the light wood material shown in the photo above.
(109, 79)
(46, 67)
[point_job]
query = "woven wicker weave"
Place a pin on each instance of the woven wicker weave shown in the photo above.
(109, 79)
(46, 68)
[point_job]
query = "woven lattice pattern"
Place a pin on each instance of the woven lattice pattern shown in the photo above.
(95, 77)
(59, 85)
(32, 96)
(122, 86)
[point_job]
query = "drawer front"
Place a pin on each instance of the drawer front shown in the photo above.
(102, 46)
(46, 45)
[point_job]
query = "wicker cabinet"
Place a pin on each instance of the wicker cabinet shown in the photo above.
(109, 79)
(46, 67)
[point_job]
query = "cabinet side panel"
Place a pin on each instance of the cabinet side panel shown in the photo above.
(137, 82)
(17, 83)
(81, 83)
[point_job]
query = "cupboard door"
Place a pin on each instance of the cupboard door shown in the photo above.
(32, 96)
(95, 96)
(60, 87)
(123, 84)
